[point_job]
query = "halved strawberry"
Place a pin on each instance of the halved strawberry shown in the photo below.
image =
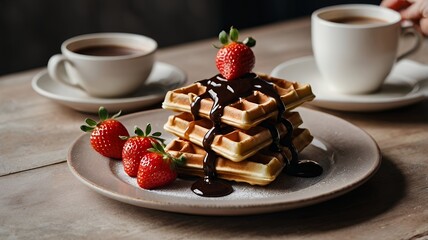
(157, 168)
(234, 58)
(105, 134)
(136, 147)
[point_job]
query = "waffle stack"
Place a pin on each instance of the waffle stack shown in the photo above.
(243, 148)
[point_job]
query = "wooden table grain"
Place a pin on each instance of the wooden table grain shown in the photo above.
(41, 199)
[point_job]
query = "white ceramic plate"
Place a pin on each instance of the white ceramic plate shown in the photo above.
(164, 77)
(407, 84)
(348, 155)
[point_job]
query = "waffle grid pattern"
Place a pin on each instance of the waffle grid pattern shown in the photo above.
(247, 112)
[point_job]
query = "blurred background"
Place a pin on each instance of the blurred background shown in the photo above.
(33, 30)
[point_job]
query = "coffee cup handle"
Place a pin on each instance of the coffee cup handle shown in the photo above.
(56, 69)
(410, 30)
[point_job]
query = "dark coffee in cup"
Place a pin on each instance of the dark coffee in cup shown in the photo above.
(358, 20)
(108, 50)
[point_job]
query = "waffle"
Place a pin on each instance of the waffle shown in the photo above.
(235, 144)
(259, 169)
(247, 112)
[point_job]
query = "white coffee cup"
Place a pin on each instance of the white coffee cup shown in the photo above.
(356, 45)
(104, 64)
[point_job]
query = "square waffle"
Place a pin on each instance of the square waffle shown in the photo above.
(247, 112)
(234, 144)
(259, 169)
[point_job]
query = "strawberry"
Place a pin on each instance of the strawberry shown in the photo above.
(234, 58)
(157, 168)
(105, 134)
(136, 147)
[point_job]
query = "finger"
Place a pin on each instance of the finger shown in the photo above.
(395, 4)
(413, 12)
(423, 25)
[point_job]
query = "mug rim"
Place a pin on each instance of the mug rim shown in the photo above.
(150, 43)
(395, 19)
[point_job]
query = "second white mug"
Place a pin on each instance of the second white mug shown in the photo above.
(355, 45)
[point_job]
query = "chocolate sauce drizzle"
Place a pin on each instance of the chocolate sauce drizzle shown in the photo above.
(223, 93)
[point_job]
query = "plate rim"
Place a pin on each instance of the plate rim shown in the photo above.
(210, 209)
(359, 104)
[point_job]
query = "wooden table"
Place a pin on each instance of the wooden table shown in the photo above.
(40, 198)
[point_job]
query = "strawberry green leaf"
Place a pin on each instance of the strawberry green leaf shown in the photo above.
(102, 113)
(250, 42)
(215, 46)
(138, 131)
(161, 140)
(146, 133)
(157, 147)
(117, 114)
(234, 34)
(148, 129)
(223, 38)
(86, 128)
(156, 134)
(90, 122)
(180, 160)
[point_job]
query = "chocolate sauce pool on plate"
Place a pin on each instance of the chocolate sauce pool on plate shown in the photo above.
(223, 93)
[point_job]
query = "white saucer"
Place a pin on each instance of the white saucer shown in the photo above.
(406, 84)
(164, 77)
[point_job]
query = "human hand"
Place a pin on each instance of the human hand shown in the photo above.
(413, 10)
